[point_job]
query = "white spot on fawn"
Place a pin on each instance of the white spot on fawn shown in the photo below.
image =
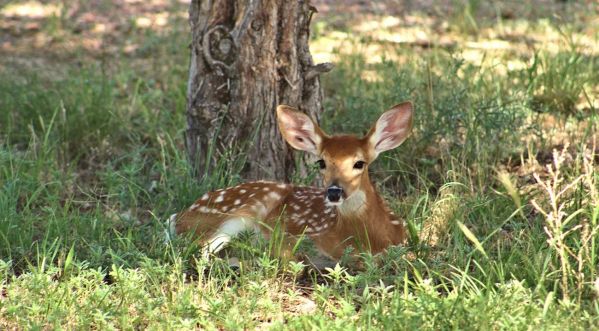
(205, 197)
(242, 191)
(274, 196)
(260, 210)
(237, 202)
(219, 198)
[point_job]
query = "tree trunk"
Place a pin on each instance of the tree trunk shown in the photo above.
(247, 57)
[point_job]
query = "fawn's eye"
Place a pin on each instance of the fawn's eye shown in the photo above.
(359, 165)
(321, 164)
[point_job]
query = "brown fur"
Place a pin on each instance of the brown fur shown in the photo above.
(371, 230)
(362, 220)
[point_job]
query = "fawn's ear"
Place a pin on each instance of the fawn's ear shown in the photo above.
(391, 129)
(299, 130)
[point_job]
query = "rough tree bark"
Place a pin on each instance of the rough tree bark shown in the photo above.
(247, 57)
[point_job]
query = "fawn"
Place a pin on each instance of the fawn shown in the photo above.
(347, 212)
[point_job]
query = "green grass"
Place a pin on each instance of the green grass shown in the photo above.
(92, 160)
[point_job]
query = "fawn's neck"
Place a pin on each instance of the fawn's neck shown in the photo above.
(361, 204)
(365, 205)
(364, 214)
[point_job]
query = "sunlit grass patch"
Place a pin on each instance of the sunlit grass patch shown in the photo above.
(33, 9)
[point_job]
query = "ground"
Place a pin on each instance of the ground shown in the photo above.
(498, 182)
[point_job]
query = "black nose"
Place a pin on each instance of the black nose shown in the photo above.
(334, 193)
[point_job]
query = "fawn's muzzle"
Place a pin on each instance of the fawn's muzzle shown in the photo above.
(334, 193)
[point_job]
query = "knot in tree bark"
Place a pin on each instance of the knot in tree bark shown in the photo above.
(257, 25)
(224, 46)
(219, 50)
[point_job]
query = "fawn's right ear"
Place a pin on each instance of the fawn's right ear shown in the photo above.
(299, 130)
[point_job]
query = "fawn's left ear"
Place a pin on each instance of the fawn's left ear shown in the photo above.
(392, 128)
(299, 130)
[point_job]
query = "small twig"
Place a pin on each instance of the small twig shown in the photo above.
(318, 69)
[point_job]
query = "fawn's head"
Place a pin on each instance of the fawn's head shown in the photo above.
(344, 159)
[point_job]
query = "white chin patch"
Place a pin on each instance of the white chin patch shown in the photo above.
(329, 203)
(353, 204)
